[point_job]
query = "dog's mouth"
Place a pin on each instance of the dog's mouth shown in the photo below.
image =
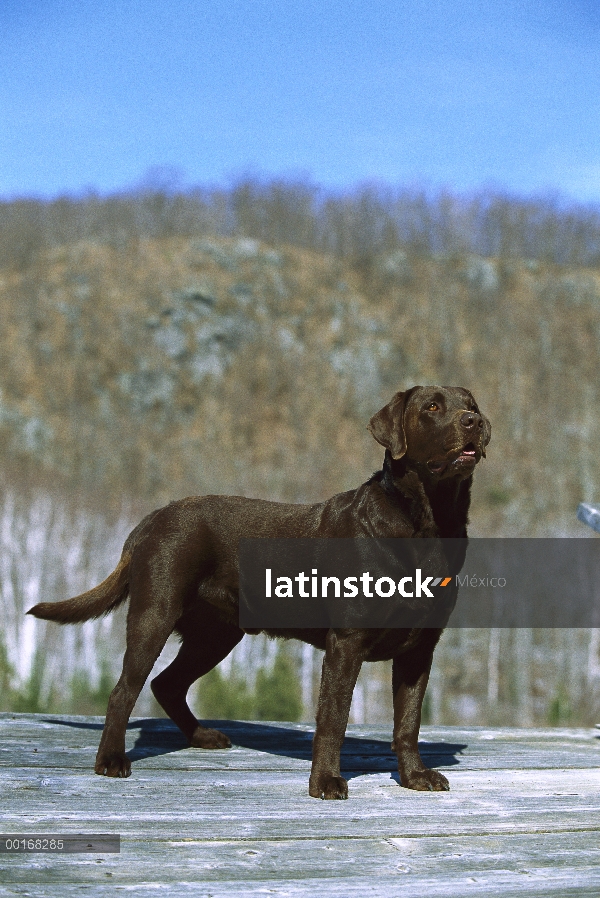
(436, 467)
(467, 453)
(466, 456)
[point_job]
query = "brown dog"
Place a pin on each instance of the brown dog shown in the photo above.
(179, 568)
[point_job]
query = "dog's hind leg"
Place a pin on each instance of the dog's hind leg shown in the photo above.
(207, 640)
(145, 642)
(155, 606)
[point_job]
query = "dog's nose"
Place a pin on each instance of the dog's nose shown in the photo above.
(471, 420)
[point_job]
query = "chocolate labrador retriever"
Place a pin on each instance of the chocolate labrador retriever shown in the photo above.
(179, 568)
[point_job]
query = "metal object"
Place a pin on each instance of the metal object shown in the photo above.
(589, 515)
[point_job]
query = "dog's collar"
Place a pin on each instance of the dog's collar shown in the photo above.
(391, 472)
(392, 481)
(433, 512)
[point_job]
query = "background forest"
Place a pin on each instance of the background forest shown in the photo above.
(163, 343)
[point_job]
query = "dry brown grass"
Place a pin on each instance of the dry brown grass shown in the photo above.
(140, 370)
(173, 366)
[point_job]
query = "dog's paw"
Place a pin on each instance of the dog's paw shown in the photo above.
(203, 737)
(425, 781)
(117, 765)
(328, 787)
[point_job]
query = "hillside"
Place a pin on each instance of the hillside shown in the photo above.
(163, 367)
(136, 369)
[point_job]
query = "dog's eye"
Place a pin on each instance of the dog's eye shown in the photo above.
(433, 407)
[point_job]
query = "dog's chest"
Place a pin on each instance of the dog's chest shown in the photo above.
(392, 643)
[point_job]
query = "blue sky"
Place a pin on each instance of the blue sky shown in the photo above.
(455, 93)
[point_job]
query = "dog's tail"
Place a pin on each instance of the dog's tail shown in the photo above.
(102, 599)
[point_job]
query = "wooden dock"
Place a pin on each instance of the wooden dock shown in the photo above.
(523, 816)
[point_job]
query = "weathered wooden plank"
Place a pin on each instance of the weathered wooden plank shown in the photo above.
(522, 817)
(206, 786)
(295, 819)
(194, 860)
(47, 758)
(157, 744)
(583, 881)
(537, 758)
(250, 807)
(36, 722)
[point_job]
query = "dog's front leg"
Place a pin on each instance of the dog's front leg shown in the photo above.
(341, 666)
(410, 674)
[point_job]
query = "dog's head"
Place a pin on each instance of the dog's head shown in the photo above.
(440, 428)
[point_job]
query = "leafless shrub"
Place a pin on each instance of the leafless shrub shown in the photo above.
(355, 224)
(167, 342)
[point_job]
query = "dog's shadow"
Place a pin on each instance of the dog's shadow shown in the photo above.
(360, 755)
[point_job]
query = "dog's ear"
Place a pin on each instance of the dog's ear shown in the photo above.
(487, 433)
(387, 426)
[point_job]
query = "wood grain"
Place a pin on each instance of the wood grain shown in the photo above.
(522, 816)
